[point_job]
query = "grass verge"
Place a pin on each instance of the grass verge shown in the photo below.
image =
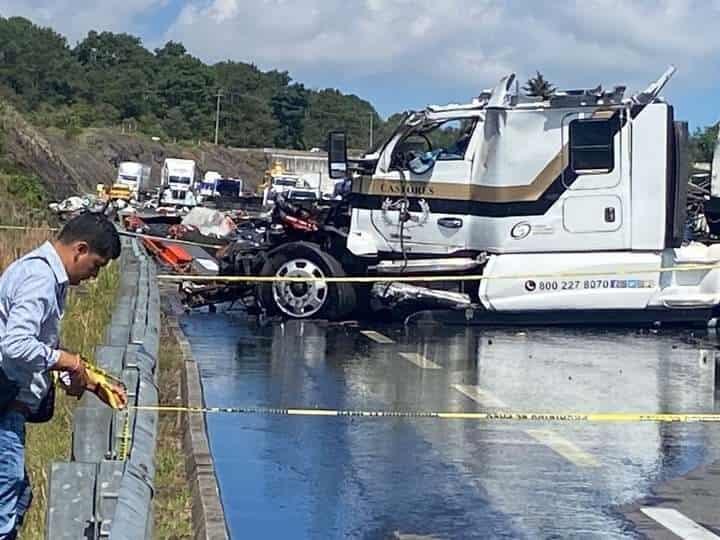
(172, 503)
(87, 314)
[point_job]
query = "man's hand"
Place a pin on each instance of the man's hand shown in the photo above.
(74, 385)
(79, 376)
(113, 394)
(106, 388)
(73, 377)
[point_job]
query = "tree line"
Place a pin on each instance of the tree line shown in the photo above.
(108, 79)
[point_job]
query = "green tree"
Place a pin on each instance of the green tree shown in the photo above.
(119, 71)
(702, 144)
(108, 78)
(247, 118)
(176, 125)
(186, 84)
(329, 110)
(289, 108)
(36, 64)
(538, 87)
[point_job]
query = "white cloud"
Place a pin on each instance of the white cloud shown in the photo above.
(75, 18)
(464, 42)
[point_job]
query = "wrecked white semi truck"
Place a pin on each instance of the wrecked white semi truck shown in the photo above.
(571, 208)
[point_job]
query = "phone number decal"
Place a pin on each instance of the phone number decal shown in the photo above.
(576, 284)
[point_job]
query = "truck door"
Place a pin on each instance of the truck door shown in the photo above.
(597, 200)
(431, 169)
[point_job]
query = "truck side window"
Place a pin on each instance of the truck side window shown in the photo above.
(591, 145)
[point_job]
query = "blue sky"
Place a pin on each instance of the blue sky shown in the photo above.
(404, 54)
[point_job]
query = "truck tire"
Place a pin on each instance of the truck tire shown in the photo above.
(318, 300)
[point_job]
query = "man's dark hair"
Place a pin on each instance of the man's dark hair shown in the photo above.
(95, 229)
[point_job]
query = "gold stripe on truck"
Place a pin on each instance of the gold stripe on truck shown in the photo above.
(464, 191)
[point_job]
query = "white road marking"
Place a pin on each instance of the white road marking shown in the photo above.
(565, 448)
(679, 524)
(420, 361)
(376, 336)
(477, 394)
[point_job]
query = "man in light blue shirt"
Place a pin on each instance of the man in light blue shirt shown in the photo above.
(32, 302)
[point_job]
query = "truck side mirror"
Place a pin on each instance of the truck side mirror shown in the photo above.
(337, 154)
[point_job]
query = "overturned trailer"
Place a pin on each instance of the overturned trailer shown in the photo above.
(565, 209)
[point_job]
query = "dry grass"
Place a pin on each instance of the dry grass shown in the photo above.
(13, 244)
(83, 328)
(172, 504)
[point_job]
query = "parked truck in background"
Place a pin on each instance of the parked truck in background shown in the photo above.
(206, 188)
(134, 176)
(176, 180)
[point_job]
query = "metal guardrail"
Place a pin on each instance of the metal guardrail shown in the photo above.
(106, 490)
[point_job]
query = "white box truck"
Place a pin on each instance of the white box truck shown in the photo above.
(176, 181)
(135, 176)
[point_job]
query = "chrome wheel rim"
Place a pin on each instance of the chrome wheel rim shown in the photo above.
(300, 299)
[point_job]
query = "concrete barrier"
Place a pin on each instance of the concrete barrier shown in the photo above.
(106, 490)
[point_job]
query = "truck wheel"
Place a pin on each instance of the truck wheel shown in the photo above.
(316, 299)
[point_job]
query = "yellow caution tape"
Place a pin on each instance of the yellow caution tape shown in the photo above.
(405, 278)
(124, 446)
(498, 416)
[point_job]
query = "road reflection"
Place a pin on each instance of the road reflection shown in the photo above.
(375, 478)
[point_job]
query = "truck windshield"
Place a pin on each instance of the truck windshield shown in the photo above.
(128, 177)
(180, 179)
(227, 188)
(285, 182)
(448, 140)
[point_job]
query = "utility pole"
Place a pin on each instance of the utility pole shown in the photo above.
(217, 115)
(371, 132)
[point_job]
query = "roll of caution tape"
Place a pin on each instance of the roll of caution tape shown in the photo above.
(125, 439)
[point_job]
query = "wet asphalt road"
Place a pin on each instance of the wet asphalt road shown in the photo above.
(307, 477)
